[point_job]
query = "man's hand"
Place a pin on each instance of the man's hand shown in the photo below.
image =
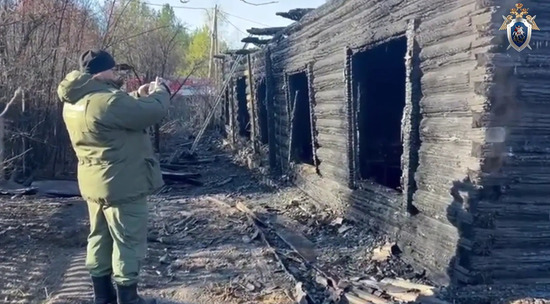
(159, 83)
(144, 90)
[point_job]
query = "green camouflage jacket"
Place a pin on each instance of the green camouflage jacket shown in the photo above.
(107, 128)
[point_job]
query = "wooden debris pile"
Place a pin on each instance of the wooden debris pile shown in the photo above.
(304, 268)
(174, 233)
(47, 188)
(386, 291)
(182, 167)
(14, 189)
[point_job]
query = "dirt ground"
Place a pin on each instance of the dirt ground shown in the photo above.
(202, 248)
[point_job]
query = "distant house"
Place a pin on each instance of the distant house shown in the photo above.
(192, 87)
(411, 117)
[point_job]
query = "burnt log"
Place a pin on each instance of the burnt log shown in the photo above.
(295, 14)
(241, 51)
(268, 31)
(255, 40)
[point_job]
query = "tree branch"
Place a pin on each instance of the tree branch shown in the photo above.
(136, 35)
(18, 93)
(196, 65)
(258, 4)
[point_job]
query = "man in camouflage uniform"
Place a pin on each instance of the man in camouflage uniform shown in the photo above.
(117, 169)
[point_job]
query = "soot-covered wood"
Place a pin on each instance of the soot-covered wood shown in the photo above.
(255, 40)
(295, 14)
(480, 203)
(268, 31)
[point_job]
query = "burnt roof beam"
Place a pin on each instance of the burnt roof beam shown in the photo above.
(240, 51)
(255, 40)
(268, 31)
(295, 14)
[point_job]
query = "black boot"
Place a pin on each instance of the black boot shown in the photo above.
(104, 292)
(129, 295)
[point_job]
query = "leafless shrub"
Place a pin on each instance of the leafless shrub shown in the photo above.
(40, 42)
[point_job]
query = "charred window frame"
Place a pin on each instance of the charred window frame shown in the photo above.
(410, 118)
(270, 103)
(226, 112)
(244, 121)
(300, 105)
(262, 109)
(231, 108)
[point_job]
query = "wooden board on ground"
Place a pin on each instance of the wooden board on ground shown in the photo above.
(363, 298)
(290, 232)
(424, 290)
(58, 188)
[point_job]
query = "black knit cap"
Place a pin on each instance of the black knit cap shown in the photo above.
(96, 61)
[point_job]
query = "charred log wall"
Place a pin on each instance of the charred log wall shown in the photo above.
(472, 208)
(241, 72)
(512, 226)
(442, 84)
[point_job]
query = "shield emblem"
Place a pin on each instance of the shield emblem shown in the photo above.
(519, 33)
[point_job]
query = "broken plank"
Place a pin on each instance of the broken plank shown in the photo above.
(289, 232)
(354, 299)
(179, 175)
(243, 208)
(404, 296)
(220, 202)
(224, 182)
(189, 181)
(172, 166)
(59, 188)
(430, 300)
(192, 162)
(424, 290)
(254, 220)
(20, 191)
(359, 297)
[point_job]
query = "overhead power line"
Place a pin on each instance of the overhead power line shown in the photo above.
(231, 23)
(208, 11)
(245, 19)
(177, 6)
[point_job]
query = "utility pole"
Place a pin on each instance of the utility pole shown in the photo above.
(213, 41)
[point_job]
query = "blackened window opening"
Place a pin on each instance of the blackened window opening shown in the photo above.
(301, 144)
(243, 117)
(262, 112)
(379, 78)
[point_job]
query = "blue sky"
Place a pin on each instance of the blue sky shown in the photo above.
(237, 11)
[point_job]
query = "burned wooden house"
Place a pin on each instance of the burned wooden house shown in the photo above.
(413, 118)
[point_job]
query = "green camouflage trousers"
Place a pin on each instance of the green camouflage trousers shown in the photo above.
(117, 242)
